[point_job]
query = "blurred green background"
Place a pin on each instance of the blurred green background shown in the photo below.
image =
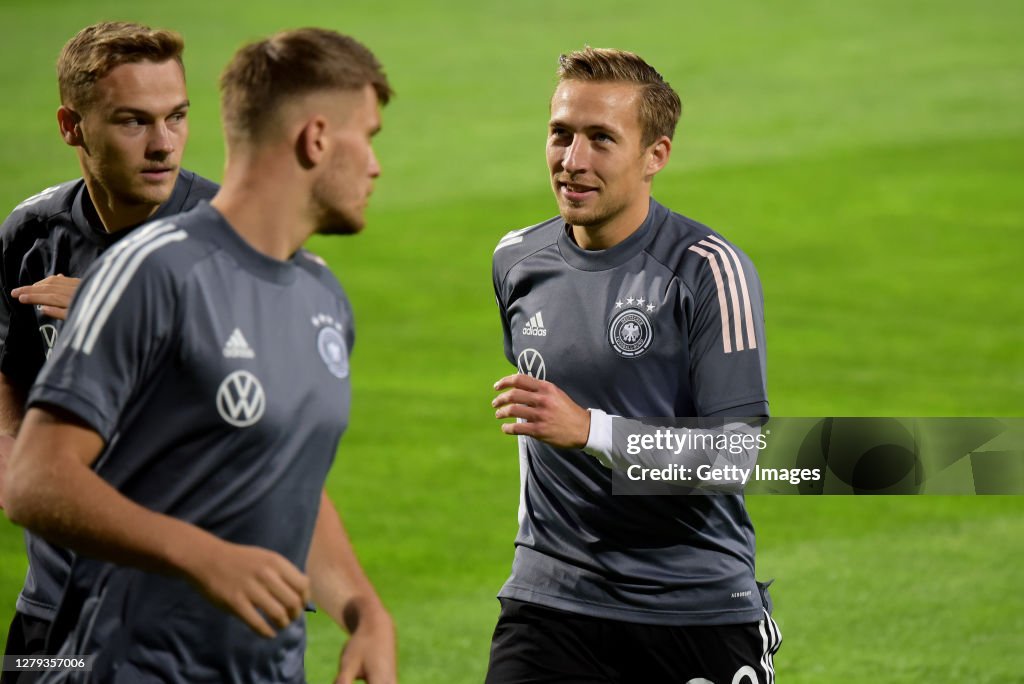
(865, 156)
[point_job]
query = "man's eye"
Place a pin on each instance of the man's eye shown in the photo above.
(177, 116)
(602, 137)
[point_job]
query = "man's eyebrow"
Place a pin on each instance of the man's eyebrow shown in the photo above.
(184, 104)
(587, 128)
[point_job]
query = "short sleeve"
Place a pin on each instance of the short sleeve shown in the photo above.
(726, 333)
(120, 332)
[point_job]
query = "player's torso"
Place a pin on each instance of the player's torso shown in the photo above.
(243, 421)
(614, 339)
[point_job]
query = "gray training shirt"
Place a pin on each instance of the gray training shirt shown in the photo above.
(219, 379)
(56, 231)
(668, 322)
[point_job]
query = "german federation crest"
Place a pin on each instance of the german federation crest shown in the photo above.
(630, 333)
(331, 346)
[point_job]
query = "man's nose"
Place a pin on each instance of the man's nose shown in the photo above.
(161, 141)
(576, 156)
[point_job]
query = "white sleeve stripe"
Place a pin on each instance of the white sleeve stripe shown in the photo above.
(112, 265)
(38, 197)
(118, 287)
(751, 336)
(720, 286)
(518, 231)
(508, 241)
(736, 314)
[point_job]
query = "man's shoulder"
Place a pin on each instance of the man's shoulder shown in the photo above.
(173, 245)
(690, 249)
(518, 244)
(196, 188)
(40, 208)
(315, 265)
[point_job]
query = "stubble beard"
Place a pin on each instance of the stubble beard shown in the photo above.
(588, 217)
(332, 216)
(339, 222)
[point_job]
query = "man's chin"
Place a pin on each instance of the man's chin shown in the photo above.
(578, 216)
(341, 226)
(154, 194)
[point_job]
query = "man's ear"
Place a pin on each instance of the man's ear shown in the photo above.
(70, 123)
(658, 154)
(311, 144)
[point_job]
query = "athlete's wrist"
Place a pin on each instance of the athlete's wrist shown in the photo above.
(599, 436)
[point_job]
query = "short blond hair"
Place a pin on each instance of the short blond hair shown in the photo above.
(660, 106)
(265, 74)
(96, 50)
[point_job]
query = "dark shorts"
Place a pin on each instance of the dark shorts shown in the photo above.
(534, 644)
(26, 637)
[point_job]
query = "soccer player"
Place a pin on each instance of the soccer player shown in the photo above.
(181, 433)
(124, 110)
(630, 309)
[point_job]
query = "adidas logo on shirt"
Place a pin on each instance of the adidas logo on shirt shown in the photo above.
(236, 347)
(535, 326)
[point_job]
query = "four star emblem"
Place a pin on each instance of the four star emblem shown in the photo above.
(641, 302)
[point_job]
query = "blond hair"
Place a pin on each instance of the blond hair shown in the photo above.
(660, 106)
(96, 50)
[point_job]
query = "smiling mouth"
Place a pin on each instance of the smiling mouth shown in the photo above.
(575, 192)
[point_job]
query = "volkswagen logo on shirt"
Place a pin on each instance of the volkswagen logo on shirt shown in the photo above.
(240, 399)
(531, 363)
(49, 333)
(630, 333)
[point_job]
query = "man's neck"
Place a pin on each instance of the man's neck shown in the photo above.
(615, 230)
(276, 229)
(115, 215)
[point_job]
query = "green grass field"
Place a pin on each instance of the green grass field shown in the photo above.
(864, 154)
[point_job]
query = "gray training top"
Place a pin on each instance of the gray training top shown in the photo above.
(668, 322)
(219, 380)
(56, 231)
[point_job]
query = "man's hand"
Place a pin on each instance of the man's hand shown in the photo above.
(247, 581)
(369, 653)
(51, 294)
(550, 415)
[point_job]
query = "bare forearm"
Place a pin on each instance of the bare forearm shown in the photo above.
(342, 589)
(60, 498)
(12, 411)
(339, 585)
(12, 407)
(52, 490)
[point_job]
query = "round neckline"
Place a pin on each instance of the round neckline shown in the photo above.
(604, 259)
